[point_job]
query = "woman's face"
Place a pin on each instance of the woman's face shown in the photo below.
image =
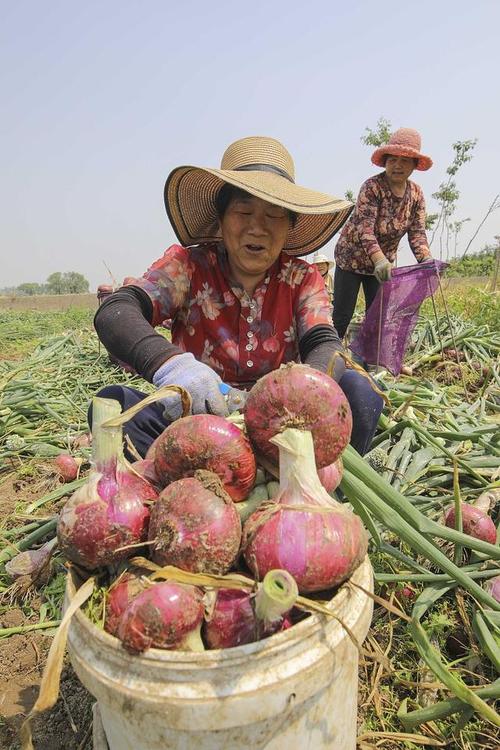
(322, 268)
(254, 233)
(399, 168)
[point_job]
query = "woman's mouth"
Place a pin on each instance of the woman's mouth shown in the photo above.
(254, 248)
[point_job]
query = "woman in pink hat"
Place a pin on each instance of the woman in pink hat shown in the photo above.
(389, 206)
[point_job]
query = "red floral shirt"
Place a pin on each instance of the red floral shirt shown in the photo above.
(378, 222)
(240, 337)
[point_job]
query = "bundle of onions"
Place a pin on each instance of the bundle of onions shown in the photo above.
(242, 617)
(109, 512)
(204, 441)
(166, 615)
(300, 397)
(195, 525)
(319, 541)
(475, 522)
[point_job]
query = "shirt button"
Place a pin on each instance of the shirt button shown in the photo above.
(249, 347)
(249, 320)
(250, 334)
(249, 363)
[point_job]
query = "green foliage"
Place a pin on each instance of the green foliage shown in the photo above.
(67, 283)
(30, 288)
(479, 264)
(379, 136)
(349, 196)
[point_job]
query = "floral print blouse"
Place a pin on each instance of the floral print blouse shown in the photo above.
(378, 222)
(240, 337)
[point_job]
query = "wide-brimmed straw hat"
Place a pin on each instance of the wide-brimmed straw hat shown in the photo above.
(320, 258)
(262, 167)
(404, 142)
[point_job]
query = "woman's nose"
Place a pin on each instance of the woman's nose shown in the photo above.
(257, 223)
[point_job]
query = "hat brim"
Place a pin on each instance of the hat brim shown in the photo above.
(423, 162)
(190, 194)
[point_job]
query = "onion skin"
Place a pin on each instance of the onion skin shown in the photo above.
(475, 522)
(233, 620)
(304, 398)
(166, 615)
(493, 587)
(67, 467)
(146, 468)
(204, 441)
(196, 525)
(119, 596)
(331, 476)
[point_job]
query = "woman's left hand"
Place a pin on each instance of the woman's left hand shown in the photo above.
(382, 270)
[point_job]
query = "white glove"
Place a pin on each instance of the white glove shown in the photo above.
(198, 379)
(382, 270)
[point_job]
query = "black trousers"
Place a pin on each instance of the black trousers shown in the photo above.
(345, 294)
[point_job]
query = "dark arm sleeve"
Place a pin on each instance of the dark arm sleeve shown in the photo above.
(123, 324)
(317, 347)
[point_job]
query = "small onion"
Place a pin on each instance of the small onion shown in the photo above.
(67, 467)
(475, 522)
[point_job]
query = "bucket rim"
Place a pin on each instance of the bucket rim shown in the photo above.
(362, 576)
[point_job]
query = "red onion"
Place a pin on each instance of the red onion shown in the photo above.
(204, 441)
(109, 511)
(301, 397)
(120, 595)
(31, 562)
(196, 525)
(320, 547)
(167, 615)
(331, 476)
(67, 467)
(475, 522)
(242, 617)
(493, 587)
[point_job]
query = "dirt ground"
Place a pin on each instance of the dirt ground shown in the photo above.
(68, 725)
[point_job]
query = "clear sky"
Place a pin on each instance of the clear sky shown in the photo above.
(100, 100)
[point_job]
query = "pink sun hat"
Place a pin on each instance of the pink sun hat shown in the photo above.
(404, 142)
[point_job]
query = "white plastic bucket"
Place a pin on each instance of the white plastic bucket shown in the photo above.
(297, 689)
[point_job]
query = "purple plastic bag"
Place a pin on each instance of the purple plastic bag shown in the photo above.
(395, 311)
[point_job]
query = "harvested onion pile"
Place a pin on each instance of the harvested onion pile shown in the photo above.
(217, 511)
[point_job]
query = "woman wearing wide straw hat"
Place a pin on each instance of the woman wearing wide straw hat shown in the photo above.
(323, 264)
(241, 302)
(389, 206)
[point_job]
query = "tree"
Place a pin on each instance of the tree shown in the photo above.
(379, 136)
(55, 283)
(75, 283)
(29, 288)
(69, 282)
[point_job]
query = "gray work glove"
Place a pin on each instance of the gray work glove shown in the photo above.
(382, 270)
(198, 379)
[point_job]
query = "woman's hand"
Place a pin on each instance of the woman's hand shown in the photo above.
(382, 270)
(198, 379)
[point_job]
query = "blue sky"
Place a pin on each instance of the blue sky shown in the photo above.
(100, 100)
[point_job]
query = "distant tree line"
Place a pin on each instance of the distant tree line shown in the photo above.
(70, 282)
(478, 264)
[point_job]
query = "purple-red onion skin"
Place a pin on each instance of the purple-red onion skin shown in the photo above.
(475, 522)
(205, 441)
(493, 588)
(196, 525)
(331, 476)
(301, 397)
(67, 467)
(161, 617)
(233, 621)
(107, 513)
(119, 596)
(146, 468)
(320, 550)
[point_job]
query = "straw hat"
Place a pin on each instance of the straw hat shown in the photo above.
(264, 168)
(404, 142)
(320, 258)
